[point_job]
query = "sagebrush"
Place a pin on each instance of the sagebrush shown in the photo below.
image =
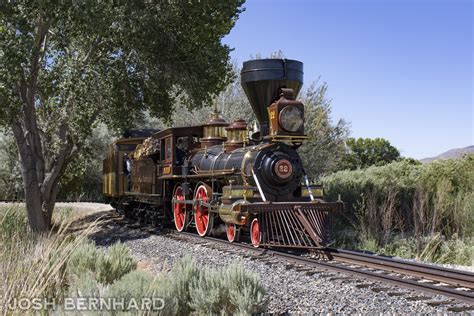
(58, 264)
(406, 199)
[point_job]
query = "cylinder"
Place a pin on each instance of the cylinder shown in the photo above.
(230, 213)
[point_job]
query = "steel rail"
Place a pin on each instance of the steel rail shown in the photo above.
(425, 271)
(344, 257)
(466, 296)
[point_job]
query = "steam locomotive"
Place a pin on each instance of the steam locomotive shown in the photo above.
(216, 175)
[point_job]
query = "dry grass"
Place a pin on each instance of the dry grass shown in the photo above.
(34, 266)
(64, 264)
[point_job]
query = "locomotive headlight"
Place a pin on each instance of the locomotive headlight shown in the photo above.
(291, 118)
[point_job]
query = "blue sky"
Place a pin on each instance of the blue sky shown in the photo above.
(396, 69)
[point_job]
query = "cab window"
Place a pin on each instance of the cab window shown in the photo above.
(168, 151)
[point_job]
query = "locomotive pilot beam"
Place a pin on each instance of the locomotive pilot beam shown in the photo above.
(214, 174)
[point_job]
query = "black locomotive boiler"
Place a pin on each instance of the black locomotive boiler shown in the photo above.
(214, 174)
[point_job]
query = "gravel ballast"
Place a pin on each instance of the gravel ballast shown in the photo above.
(288, 290)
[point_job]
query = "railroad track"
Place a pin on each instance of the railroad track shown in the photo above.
(405, 274)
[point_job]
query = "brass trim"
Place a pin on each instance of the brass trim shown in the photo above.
(290, 136)
(207, 171)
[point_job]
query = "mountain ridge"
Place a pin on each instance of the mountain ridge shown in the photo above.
(450, 154)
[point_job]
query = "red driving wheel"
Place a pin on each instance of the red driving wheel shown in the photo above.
(231, 232)
(255, 234)
(202, 217)
(179, 210)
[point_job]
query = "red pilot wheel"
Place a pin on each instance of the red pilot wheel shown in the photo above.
(232, 233)
(180, 211)
(255, 234)
(202, 218)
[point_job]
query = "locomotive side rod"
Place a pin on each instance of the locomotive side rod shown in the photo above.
(211, 207)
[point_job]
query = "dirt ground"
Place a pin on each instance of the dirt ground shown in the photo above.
(82, 213)
(76, 206)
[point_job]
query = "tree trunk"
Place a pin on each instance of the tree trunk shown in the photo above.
(40, 187)
(39, 217)
(40, 178)
(40, 190)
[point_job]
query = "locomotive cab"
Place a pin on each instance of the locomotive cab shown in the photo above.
(177, 144)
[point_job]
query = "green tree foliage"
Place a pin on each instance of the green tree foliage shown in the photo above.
(321, 154)
(365, 152)
(11, 184)
(82, 179)
(232, 104)
(64, 67)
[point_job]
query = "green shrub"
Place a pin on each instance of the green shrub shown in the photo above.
(401, 247)
(458, 251)
(244, 290)
(115, 264)
(368, 244)
(175, 287)
(230, 290)
(99, 274)
(188, 288)
(431, 249)
(59, 264)
(83, 260)
(106, 267)
(134, 285)
(207, 293)
(85, 285)
(406, 200)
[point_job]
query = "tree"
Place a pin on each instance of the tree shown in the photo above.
(365, 152)
(232, 103)
(65, 67)
(323, 153)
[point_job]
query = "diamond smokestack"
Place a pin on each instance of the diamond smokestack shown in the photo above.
(261, 79)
